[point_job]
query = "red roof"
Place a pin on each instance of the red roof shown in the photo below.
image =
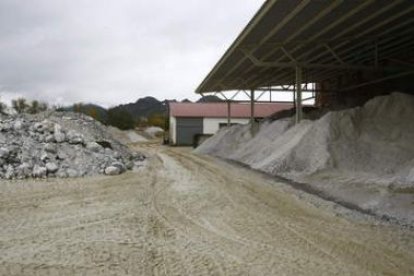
(219, 110)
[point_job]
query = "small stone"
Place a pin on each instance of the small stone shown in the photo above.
(44, 157)
(59, 135)
(93, 146)
(61, 174)
(4, 152)
(18, 125)
(50, 138)
(9, 172)
(47, 126)
(61, 156)
(41, 138)
(111, 170)
(72, 173)
(74, 137)
(52, 148)
(52, 167)
(23, 170)
(119, 165)
(39, 171)
(129, 165)
(37, 127)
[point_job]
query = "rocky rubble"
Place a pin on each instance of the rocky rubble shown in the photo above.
(60, 144)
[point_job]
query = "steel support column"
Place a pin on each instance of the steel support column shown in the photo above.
(228, 113)
(252, 99)
(298, 87)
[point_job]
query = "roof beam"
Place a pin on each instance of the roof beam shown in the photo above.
(403, 74)
(288, 54)
(333, 53)
(308, 65)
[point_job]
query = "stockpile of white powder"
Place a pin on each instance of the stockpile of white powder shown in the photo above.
(364, 155)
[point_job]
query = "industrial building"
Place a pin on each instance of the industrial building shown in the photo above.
(189, 121)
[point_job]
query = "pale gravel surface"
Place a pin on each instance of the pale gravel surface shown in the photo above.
(187, 215)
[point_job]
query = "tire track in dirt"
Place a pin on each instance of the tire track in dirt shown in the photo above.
(242, 240)
(299, 233)
(222, 179)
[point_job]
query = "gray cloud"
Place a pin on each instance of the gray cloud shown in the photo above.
(110, 51)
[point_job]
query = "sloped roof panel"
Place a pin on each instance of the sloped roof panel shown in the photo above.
(325, 38)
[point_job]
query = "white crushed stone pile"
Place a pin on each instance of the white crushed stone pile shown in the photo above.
(153, 131)
(135, 137)
(364, 155)
(60, 144)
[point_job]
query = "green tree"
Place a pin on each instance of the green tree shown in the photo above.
(36, 107)
(120, 118)
(78, 107)
(93, 113)
(20, 105)
(43, 106)
(2, 108)
(157, 119)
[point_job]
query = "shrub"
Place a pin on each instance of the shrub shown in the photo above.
(36, 107)
(20, 105)
(120, 118)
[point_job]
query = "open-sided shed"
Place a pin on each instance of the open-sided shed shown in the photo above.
(343, 47)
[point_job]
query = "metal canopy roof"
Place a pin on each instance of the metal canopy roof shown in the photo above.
(324, 38)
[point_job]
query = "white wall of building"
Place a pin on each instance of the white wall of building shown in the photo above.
(211, 125)
(173, 130)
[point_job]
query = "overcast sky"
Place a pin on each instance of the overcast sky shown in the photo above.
(113, 51)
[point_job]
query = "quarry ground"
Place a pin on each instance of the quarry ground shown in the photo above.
(185, 214)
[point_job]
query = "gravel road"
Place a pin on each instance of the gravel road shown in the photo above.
(187, 215)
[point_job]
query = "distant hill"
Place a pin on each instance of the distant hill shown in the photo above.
(144, 107)
(209, 99)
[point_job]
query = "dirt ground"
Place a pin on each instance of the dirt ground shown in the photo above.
(187, 215)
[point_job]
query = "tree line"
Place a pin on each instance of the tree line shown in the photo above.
(117, 117)
(21, 105)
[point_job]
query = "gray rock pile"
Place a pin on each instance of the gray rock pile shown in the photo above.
(60, 144)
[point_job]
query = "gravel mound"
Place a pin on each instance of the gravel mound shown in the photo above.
(60, 144)
(364, 155)
(153, 131)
